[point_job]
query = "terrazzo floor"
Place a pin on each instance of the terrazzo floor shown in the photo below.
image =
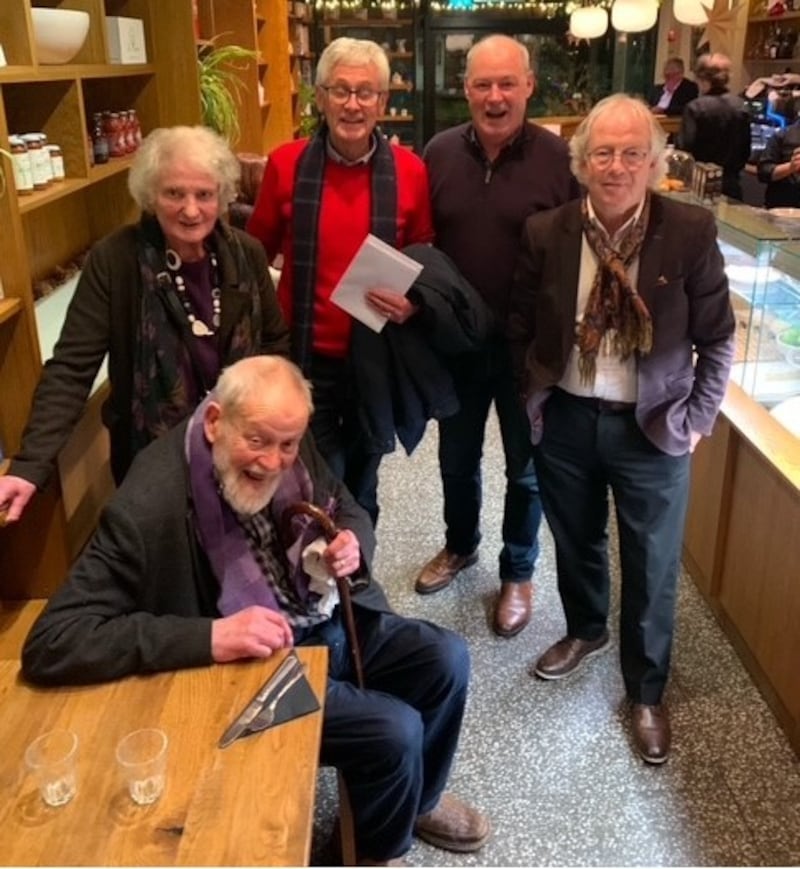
(551, 763)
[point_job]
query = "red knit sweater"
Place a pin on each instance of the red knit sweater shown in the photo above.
(344, 223)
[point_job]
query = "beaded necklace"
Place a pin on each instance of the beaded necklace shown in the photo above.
(199, 328)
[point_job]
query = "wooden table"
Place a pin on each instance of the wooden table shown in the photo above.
(251, 803)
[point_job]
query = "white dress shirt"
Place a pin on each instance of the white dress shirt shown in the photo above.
(615, 379)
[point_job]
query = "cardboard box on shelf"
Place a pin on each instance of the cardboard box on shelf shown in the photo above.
(125, 40)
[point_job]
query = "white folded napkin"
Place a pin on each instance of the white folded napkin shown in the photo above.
(322, 583)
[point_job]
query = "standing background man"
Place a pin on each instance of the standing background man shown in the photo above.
(622, 332)
(319, 199)
(486, 177)
(779, 168)
(669, 97)
(715, 127)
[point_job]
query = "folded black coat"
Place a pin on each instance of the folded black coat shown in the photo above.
(402, 374)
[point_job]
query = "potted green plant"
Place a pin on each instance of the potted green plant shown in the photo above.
(309, 118)
(220, 85)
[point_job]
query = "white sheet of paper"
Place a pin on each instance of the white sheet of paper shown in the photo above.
(375, 265)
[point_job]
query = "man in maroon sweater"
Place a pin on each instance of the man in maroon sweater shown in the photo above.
(486, 177)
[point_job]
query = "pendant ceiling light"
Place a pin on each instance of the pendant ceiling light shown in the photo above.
(691, 12)
(588, 22)
(633, 16)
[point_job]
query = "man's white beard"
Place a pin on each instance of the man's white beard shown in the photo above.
(239, 492)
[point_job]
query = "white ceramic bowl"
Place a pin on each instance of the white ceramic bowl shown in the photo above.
(58, 33)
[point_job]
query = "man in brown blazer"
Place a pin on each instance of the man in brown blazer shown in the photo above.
(622, 336)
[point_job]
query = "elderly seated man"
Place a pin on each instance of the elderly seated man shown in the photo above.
(192, 564)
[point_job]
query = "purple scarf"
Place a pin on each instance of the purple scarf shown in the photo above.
(241, 580)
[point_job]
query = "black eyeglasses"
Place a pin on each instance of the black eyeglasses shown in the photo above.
(339, 93)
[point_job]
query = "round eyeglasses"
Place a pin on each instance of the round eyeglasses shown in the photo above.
(631, 158)
(339, 93)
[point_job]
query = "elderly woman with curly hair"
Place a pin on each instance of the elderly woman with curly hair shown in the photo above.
(172, 300)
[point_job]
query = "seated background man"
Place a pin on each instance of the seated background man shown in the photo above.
(669, 97)
(154, 592)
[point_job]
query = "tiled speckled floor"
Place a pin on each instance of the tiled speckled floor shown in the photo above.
(551, 763)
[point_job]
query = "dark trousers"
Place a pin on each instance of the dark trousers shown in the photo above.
(483, 378)
(732, 185)
(395, 740)
(338, 435)
(584, 452)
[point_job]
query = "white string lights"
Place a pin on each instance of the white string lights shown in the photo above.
(585, 21)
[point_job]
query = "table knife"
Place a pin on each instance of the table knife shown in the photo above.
(248, 715)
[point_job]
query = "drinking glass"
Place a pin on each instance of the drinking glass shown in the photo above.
(52, 758)
(142, 759)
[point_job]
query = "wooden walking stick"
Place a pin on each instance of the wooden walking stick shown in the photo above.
(347, 834)
(343, 583)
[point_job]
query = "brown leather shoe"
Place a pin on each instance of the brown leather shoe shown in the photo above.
(512, 611)
(651, 732)
(441, 570)
(454, 826)
(568, 654)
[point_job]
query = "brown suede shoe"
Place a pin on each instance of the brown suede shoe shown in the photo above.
(513, 608)
(454, 826)
(441, 570)
(568, 654)
(651, 732)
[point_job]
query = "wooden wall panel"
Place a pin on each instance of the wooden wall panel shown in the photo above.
(707, 505)
(760, 575)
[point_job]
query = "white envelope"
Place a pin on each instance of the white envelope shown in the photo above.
(375, 265)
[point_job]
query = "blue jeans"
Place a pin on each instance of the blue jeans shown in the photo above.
(394, 741)
(485, 377)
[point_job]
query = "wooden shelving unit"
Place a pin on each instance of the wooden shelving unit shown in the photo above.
(9, 308)
(269, 109)
(49, 228)
(768, 35)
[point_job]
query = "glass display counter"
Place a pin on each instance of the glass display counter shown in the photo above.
(762, 261)
(741, 543)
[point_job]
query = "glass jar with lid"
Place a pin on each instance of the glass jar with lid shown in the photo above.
(23, 168)
(40, 160)
(56, 162)
(680, 170)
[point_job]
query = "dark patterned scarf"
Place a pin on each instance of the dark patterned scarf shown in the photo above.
(613, 302)
(305, 225)
(161, 397)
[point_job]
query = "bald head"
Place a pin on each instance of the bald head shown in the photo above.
(499, 45)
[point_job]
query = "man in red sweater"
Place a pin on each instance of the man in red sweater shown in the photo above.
(319, 199)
